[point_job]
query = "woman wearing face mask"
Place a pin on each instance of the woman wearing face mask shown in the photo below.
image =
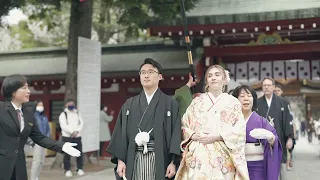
(39, 153)
(263, 148)
(213, 132)
(71, 125)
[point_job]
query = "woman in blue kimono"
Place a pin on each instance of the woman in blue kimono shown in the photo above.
(263, 148)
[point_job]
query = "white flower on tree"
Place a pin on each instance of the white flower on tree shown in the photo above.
(40, 31)
(7, 41)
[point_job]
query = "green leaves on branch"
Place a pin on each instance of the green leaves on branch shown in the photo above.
(143, 12)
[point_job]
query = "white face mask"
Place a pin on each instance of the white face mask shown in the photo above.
(40, 108)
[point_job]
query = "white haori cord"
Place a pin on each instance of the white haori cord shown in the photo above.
(142, 138)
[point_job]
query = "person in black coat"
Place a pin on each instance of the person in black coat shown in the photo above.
(276, 110)
(17, 124)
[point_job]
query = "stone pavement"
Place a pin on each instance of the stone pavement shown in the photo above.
(306, 166)
(107, 174)
(306, 160)
(58, 174)
(306, 163)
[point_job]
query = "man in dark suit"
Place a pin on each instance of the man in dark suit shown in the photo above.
(17, 123)
(278, 91)
(276, 110)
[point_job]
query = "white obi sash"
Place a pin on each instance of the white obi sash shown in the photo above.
(254, 151)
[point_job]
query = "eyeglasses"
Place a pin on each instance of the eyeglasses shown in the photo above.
(147, 72)
(267, 85)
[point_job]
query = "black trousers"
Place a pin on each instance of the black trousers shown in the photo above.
(310, 134)
(101, 148)
(66, 159)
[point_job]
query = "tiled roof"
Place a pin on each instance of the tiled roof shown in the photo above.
(117, 58)
(236, 11)
(232, 7)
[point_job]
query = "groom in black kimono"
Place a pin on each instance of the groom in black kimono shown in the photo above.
(155, 114)
(276, 110)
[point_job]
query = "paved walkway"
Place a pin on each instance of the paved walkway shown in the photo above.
(306, 161)
(306, 166)
(94, 170)
(107, 174)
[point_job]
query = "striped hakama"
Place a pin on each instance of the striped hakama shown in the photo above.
(145, 164)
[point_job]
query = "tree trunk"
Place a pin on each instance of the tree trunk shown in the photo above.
(80, 25)
(104, 18)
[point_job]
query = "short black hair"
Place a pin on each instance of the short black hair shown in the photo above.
(101, 106)
(231, 91)
(154, 63)
(279, 86)
(70, 100)
(38, 101)
(248, 89)
(11, 84)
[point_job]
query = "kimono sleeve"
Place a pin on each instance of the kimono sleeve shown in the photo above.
(272, 154)
(176, 129)
(118, 144)
(233, 126)
(287, 120)
(266, 125)
(233, 133)
(186, 124)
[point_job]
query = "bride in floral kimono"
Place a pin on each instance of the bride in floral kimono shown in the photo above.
(214, 134)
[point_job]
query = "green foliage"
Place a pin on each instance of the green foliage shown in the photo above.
(45, 10)
(7, 5)
(140, 13)
(121, 20)
(26, 36)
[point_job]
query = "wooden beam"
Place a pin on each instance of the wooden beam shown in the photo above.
(312, 95)
(247, 39)
(262, 49)
(265, 52)
(249, 26)
(271, 57)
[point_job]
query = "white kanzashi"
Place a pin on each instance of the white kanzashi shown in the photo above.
(142, 138)
(227, 75)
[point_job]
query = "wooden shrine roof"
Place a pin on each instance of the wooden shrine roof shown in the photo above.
(235, 11)
(116, 59)
(224, 7)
